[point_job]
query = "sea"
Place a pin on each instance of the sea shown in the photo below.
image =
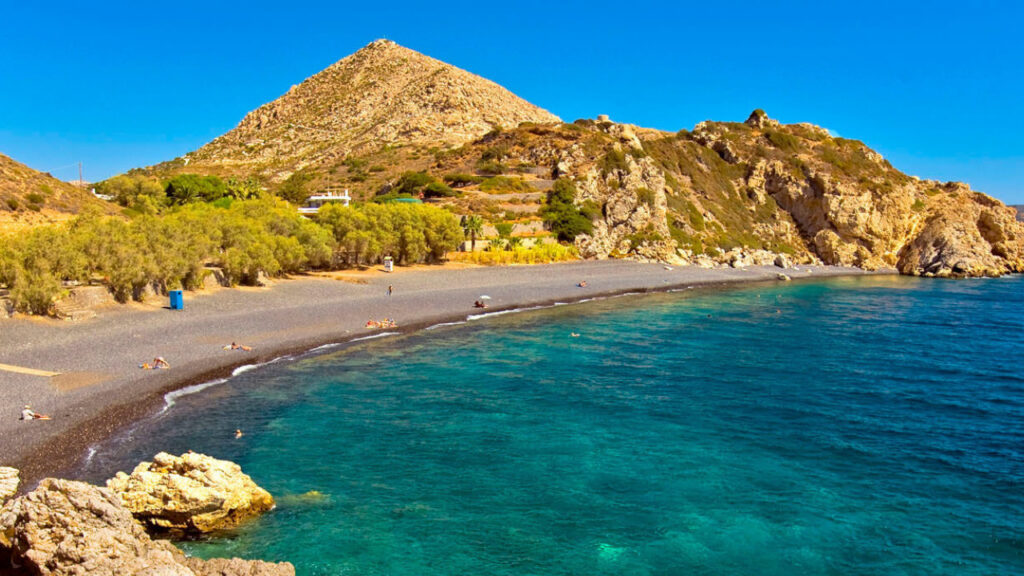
(849, 426)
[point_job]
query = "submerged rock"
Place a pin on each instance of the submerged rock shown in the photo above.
(192, 493)
(65, 527)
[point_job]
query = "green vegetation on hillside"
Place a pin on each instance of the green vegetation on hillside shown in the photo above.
(563, 217)
(245, 239)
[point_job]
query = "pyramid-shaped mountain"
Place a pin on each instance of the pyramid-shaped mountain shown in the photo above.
(383, 94)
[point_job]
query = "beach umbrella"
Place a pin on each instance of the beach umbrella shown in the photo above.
(485, 297)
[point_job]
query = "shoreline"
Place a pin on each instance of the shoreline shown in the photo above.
(98, 412)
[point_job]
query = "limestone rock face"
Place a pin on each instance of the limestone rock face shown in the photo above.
(8, 482)
(72, 528)
(973, 237)
(68, 528)
(192, 493)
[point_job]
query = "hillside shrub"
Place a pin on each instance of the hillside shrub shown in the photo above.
(35, 198)
(612, 161)
(188, 188)
(783, 141)
(497, 184)
(561, 214)
(295, 188)
(490, 167)
(461, 179)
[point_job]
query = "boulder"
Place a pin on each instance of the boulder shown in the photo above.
(782, 277)
(193, 493)
(8, 483)
(783, 261)
(71, 528)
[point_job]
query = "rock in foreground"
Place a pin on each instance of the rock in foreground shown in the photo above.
(65, 527)
(8, 483)
(194, 493)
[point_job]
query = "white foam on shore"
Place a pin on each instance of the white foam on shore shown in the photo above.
(325, 347)
(171, 397)
(501, 312)
(443, 324)
(373, 336)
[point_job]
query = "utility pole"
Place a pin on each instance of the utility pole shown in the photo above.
(81, 181)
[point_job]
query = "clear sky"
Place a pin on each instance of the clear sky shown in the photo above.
(936, 87)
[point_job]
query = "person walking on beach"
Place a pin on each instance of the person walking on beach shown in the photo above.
(390, 289)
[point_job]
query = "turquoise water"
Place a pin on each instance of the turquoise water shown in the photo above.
(851, 426)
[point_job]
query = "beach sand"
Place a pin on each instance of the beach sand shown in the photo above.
(100, 388)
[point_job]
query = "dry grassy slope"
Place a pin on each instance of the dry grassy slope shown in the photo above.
(382, 95)
(29, 197)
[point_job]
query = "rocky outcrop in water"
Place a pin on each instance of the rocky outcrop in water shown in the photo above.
(67, 527)
(64, 527)
(191, 493)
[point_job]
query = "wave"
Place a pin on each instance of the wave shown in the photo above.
(373, 336)
(171, 397)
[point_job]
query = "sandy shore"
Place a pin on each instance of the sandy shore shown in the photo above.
(101, 388)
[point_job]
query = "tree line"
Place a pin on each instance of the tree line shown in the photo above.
(242, 237)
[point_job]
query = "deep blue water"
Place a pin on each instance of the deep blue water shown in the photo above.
(852, 426)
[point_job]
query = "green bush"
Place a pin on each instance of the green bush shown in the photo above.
(13, 203)
(460, 179)
(35, 198)
(496, 184)
(410, 233)
(783, 141)
(188, 188)
(646, 196)
(295, 188)
(612, 161)
(561, 214)
(490, 167)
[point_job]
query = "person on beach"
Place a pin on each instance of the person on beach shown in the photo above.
(28, 414)
(582, 284)
(390, 289)
(241, 347)
(159, 362)
(479, 304)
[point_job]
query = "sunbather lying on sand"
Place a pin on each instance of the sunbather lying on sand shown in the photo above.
(28, 414)
(157, 364)
(241, 347)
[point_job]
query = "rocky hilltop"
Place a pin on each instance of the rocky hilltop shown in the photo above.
(1020, 211)
(383, 94)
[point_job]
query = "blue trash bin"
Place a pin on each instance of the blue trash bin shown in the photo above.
(177, 300)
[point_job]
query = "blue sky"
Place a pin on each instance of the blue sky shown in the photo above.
(936, 87)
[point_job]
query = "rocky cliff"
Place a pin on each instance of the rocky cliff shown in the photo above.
(742, 192)
(382, 95)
